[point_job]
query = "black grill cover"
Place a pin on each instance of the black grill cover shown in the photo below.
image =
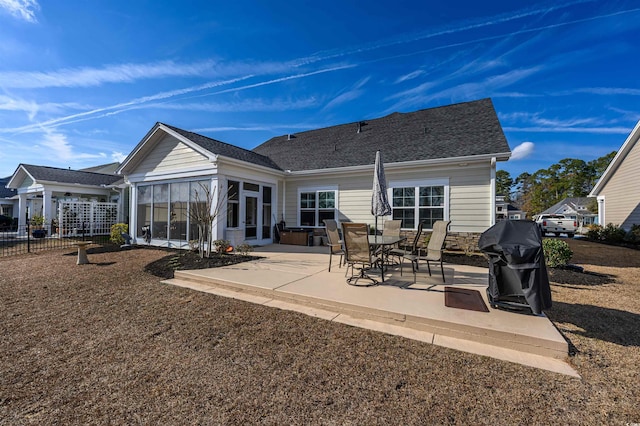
(517, 271)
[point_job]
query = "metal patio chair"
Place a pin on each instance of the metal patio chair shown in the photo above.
(358, 253)
(335, 243)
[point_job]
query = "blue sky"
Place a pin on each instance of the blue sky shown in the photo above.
(81, 82)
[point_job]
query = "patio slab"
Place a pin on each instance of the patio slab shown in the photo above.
(297, 278)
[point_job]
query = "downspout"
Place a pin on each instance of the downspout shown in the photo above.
(492, 192)
(284, 198)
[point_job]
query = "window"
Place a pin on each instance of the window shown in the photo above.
(166, 209)
(316, 206)
(233, 204)
(415, 204)
(266, 212)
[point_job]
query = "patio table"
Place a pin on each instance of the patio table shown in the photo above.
(381, 241)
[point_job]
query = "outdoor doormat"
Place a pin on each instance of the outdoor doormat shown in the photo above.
(464, 298)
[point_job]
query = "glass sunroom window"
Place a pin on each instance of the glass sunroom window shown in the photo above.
(166, 209)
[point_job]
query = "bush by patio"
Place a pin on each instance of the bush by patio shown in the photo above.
(117, 230)
(556, 252)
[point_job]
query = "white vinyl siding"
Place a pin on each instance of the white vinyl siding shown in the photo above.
(622, 193)
(469, 194)
(171, 155)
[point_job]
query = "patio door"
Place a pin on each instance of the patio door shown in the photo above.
(251, 217)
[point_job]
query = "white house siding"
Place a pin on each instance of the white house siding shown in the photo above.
(622, 192)
(469, 197)
(171, 155)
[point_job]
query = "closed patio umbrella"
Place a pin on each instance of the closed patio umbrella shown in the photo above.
(379, 201)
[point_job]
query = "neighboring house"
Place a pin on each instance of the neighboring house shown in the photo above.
(575, 208)
(42, 188)
(440, 163)
(8, 199)
(507, 211)
(617, 190)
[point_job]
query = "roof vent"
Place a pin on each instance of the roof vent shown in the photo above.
(361, 124)
(290, 136)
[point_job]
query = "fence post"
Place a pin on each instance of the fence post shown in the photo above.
(28, 230)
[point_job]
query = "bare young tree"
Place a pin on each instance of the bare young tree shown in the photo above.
(203, 211)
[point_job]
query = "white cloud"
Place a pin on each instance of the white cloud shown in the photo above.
(87, 77)
(596, 130)
(118, 156)
(523, 150)
(410, 76)
(58, 147)
(21, 9)
(352, 93)
(241, 106)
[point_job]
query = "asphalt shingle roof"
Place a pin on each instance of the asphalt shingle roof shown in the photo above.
(459, 130)
(225, 149)
(54, 174)
(573, 202)
(4, 191)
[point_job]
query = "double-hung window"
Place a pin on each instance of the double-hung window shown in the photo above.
(420, 201)
(316, 206)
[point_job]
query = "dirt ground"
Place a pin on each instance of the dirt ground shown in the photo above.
(106, 343)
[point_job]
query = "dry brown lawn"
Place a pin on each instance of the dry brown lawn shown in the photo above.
(106, 343)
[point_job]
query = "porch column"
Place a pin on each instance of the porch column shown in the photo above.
(22, 211)
(216, 208)
(46, 206)
(133, 211)
(601, 212)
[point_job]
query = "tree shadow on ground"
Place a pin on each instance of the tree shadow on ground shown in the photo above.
(610, 325)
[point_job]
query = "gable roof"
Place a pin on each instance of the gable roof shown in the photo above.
(45, 174)
(628, 144)
(574, 203)
(459, 130)
(4, 191)
(109, 168)
(226, 150)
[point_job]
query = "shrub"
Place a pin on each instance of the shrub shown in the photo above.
(221, 245)
(37, 220)
(633, 236)
(244, 249)
(116, 232)
(556, 252)
(613, 233)
(594, 232)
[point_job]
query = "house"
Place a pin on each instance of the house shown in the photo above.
(8, 199)
(440, 163)
(576, 208)
(617, 190)
(42, 189)
(507, 211)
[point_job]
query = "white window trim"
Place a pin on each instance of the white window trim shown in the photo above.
(316, 189)
(416, 183)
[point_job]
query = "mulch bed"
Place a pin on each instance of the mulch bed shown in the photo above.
(185, 260)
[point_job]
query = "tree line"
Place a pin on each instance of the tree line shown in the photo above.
(536, 192)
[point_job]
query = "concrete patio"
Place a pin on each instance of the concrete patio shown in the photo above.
(297, 278)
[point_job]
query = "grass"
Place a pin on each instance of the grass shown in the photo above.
(106, 343)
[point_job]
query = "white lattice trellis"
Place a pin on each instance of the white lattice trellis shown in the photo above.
(86, 217)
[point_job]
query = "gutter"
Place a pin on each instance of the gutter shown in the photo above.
(390, 166)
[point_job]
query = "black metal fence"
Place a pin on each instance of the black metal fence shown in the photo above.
(28, 239)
